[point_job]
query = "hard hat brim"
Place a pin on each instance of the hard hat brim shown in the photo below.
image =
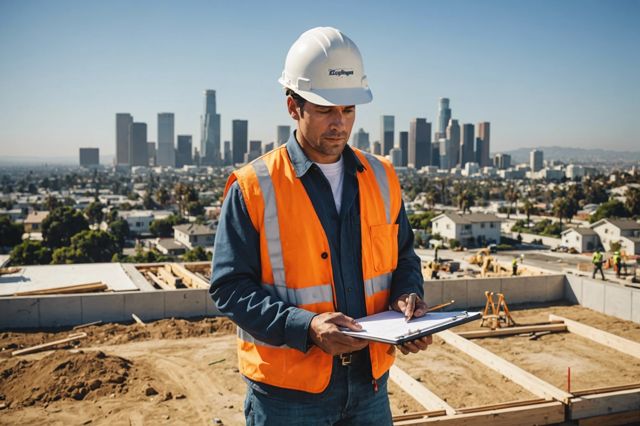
(336, 97)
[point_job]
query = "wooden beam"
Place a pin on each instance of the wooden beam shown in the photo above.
(44, 346)
(419, 415)
(512, 331)
(87, 324)
(501, 405)
(138, 320)
(163, 285)
(74, 288)
(538, 414)
(626, 418)
(190, 279)
(418, 391)
(616, 342)
(605, 403)
(606, 389)
(168, 276)
(525, 379)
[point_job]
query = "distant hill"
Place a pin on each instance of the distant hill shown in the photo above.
(50, 161)
(576, 155)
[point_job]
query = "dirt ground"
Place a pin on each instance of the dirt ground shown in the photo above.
(185, 372)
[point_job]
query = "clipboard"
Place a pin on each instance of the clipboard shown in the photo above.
(391, 327)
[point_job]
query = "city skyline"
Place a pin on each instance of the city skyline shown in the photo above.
(543, 74)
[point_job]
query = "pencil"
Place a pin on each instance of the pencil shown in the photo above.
(435, 308)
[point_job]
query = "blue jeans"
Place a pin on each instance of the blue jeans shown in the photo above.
(352, 400)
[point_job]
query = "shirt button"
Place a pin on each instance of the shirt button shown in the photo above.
(324, 255)
(349, 289)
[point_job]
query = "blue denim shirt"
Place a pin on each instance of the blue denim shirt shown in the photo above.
(235, 281)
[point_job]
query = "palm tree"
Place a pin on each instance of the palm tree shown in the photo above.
(561, 209)
(527, 206)
(511, 195)
(632, 201)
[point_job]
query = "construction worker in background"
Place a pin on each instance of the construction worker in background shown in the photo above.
(436, 252)
(312, 235)
(617, 262)
(514, 266)
(597, 260)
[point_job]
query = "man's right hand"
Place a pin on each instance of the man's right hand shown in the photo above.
(324, 332)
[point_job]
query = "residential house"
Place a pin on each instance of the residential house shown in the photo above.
(581, 239)
(623, 231)
(193, 235)
(140, 220)
(473, 229)
(33, 222)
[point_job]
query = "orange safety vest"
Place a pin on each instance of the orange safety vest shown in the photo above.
(296, 261)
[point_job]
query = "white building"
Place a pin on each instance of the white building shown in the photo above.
(581, 239)
(193, 235)
(140, 220)
(623, 231)
(470, 230)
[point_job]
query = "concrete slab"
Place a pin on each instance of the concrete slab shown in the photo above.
(185, 303)
(635, 307)
(477, 287)
(555, 287)
(592, 294)
(573, 289)
(456, 290)
(515, 289)
(617, 302)
(147, 305)
(17, 312)
(104, 307)
(136, 277)
(433, 292)
(59, 311)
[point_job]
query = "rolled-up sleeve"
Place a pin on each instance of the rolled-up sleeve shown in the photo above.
(236, 286)
(407, 278)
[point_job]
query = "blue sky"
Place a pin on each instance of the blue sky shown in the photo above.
(543, 72)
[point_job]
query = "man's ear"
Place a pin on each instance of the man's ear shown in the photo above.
(292, 107)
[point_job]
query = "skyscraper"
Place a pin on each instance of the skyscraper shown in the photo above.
(166, 155)
(89, 157)
(419, 143)
(396, 157)
(536, 160)
(228, 154)
(377, 148)
(445, 153)
(404, 147)
(283, 133)
(151, 153)
(453, 135)
(387, 130)
(361, 140)
(255, 150)
(467, 137)
(183, 154)
(444, 115)
(210, 133)
(138, 151)
(123, 122)
(502, 161)
(239, 139)
(484, 135)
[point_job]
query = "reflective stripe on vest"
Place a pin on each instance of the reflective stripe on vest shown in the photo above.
(242, 334)
(377, 284)
(383, 182)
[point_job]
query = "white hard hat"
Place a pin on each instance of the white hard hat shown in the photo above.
(325, 67)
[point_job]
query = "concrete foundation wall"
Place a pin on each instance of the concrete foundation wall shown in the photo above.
(70, 310)
(608, 298)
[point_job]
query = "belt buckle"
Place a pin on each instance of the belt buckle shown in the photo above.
(345, 359)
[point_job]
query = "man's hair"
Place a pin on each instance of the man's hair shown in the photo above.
(299, 100)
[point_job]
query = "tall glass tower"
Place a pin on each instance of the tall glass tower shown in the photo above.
(387, 130)
(166, 155)
(444, 115)
(210, 132)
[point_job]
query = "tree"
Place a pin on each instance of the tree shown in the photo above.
(632, 201)
(88, 246)
(51, 203)
(30, 253)
(94, 212)
(62, 224)
(610, 209)
(184, 195)
(195, 208)
(163, 228)
(511, 195)
(10, 233)
(561, 209)
(196, 254)
(147, 201)
(120, 229)
(527, 206)
(163, 196)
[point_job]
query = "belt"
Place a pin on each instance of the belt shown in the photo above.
(354, 358)
(345, 359)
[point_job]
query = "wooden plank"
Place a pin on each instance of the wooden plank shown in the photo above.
(48, 345)
(169, 277)
(525, 379)
(74, 288)
(502, 405)
(419, 415)
(616, 342)
(163, 285)
(626, 418)
(191, 279)
(137, 319)
(606, 403)
(512, 331)
(538, 414)
(418, 391)
(606, 389)
(89, 324)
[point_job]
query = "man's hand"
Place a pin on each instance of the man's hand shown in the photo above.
(324, 332)
(412, 306)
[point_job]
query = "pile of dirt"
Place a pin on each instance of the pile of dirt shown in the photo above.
(64, 375)
(116, 334)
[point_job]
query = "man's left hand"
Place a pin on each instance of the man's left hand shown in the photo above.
(412, 306)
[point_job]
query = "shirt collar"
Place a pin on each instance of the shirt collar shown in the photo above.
(302, 164)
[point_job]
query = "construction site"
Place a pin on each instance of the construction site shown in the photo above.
(144, 344)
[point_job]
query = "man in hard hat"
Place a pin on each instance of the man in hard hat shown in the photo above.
(597, 260)
(617, 261)
(514, 266)
(312, 235)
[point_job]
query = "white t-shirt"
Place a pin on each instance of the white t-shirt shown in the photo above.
(334, 174)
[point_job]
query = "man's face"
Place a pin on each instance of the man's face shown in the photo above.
(323, 131)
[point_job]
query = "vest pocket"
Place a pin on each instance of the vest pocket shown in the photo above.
(384, 246)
